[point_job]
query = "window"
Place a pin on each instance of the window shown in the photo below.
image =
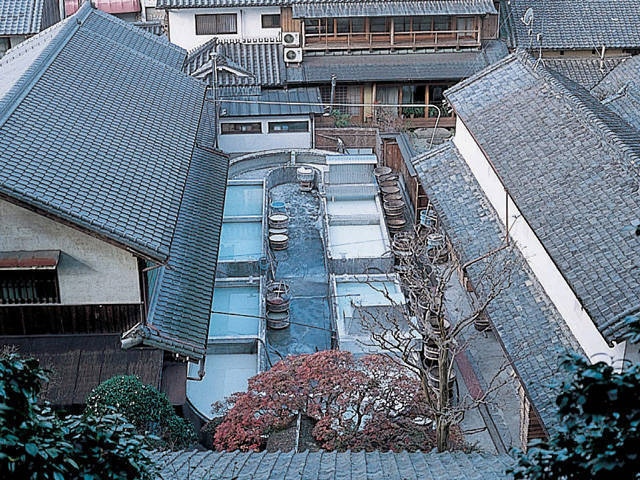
(288, 127)
(342, 25)
(29, 286)
(5, 45)
(402, 24)
(423, 24)
(153, 13)
(357, 25)
(236, 128)
(216, 24)
(465, 27)
(343, 94)
(29, 277)
(379, 25)
(271, 21)
(441, 24)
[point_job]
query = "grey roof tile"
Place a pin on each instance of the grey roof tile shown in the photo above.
(262, 60)
(293, 101)
(619, 90)
(530, 328)
(389, 66)
(330, 465)
(570, 165)
(99, 130)
(27, 17)
(369, 8)
(72, 123)
(180, 308)
(220, 3)
(587, 72)
(570, 24)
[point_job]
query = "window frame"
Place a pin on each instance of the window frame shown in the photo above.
(235, 128)
(272, 17)
(37, 286)
(271, 126)
(218, 24)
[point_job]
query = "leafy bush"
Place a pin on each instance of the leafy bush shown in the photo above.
(341, 119)
(146, 407)
(36, 444)
(599, 428)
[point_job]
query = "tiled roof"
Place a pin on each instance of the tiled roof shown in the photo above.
(397, 66)
(571, 24)
(83, 139)
(180, 308)
(27, 17)
(221, 3)
(262, 59)
(293, 101)
(152, 26)
(571, 167)
(620, 90)
(584, 71)
(530, 328)
(396, 8)
(99, 129)
(330, 465)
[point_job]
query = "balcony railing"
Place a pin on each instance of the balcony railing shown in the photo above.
(418, 39)
(68, 319)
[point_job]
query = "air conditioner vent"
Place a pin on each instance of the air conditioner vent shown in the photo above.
(291, 39)
(293, 55)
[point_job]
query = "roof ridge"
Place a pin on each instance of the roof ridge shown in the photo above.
(158, 39)
(37, 69)
(149, 36)
(590, 117)
(482, 73)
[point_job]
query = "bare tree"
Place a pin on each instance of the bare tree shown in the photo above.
(425, 337)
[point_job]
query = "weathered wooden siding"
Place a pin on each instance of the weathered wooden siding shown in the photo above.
(68, 319)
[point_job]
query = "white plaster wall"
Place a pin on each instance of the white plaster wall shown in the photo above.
(90, 270)
(182, 25)
(255, 142)
(540, 262)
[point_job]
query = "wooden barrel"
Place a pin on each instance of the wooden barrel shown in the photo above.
(305, 174)
(389, 190)
(434, 380)
(388, 177)
(396, 224)
(278, 320)
(431, 352)
(392, 196)
(278, 220)
(279, 242)
(388, 183)
(378, 171)
(393, 206)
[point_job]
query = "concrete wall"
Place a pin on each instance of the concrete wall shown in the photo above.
(257, 142)
(90, 270)
(554, 284)
(182, 25)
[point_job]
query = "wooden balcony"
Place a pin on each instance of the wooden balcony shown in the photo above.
(404, 40)
(68, 319)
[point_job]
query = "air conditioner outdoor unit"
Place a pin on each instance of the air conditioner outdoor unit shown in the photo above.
(293, 55)
(291, 39)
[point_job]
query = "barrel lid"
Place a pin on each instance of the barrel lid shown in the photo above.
(278, 238)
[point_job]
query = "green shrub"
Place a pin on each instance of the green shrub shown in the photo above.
(35, 443)
(146, 407)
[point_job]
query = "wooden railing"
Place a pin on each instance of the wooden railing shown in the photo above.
(419, 39)
(68, 319)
